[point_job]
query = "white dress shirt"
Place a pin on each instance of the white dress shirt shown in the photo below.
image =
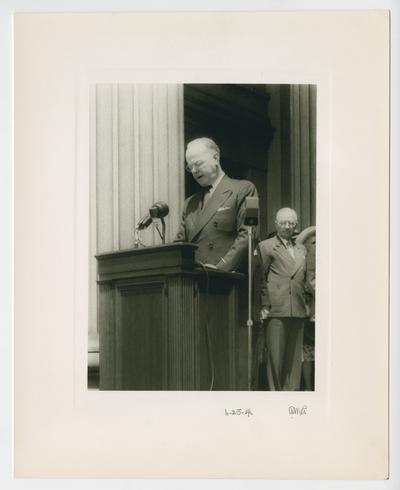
(289, 246)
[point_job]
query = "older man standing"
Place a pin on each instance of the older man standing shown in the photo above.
(283, 264)
(214, 217)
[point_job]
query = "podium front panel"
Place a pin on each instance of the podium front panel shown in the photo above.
(170, 330)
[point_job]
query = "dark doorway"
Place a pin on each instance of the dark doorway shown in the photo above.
(236, 117)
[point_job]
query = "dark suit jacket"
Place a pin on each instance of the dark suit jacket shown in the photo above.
(283, 278)
(218, 228)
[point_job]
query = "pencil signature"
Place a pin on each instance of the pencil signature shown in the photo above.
(298, 410)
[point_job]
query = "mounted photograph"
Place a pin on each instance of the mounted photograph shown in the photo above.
(202, 237)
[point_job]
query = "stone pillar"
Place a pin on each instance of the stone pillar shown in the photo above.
(137, 158)
(302, 152)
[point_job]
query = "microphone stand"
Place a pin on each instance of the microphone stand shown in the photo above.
(138, 242)
(157, 211)
(249, 322)
(163, 230)
(161, 233)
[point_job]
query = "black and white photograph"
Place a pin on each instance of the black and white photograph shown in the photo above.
(175, 315)
(203, 205)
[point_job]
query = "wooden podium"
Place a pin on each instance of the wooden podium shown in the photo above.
(165, 324)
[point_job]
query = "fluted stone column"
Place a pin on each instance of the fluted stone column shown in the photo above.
(302, 155)
(137, 158)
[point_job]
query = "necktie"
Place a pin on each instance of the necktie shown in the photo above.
(207, 194)
(289, 247)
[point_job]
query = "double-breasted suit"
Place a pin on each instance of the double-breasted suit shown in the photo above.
(218, 226)
(283, 285)
(283, 294)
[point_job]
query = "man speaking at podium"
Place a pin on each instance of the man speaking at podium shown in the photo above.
(214, 217)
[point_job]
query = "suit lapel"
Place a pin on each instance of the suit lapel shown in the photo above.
(299, 258)
(282, 251)
(192, 213)
(217, 199)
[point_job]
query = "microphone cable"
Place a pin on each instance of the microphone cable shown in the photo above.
(208, 336)
(158, 230)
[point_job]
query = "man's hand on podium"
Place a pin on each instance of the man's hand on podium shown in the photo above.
(210, 266)
(264, 313)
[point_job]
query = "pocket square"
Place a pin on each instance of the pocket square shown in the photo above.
(223, 209)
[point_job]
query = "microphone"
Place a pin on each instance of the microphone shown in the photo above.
(144, 222)
(157, 210)
(251, 207)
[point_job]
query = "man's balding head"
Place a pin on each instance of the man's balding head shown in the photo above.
(202, 156)
(285, 222)
(202, 144)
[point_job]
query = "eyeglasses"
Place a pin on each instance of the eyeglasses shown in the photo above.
(193, 167)
(289, 224)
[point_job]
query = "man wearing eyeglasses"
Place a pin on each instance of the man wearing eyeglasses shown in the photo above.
(213, 218)
(283, 267)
